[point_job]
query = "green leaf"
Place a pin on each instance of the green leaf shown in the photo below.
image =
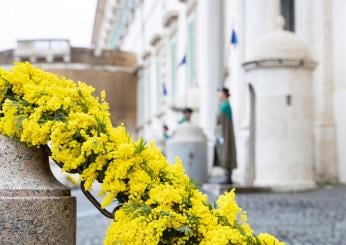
(206, 203)
(19, 123)
(59, 115)
(193, 219)
(164, 213)
(185, 229)
(82, 103)
(101, 126)
(136, 209)
(140, 146)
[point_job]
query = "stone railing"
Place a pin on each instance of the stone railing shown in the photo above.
(44, 49)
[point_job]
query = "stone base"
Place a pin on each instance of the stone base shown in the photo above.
(38, 220)
(34, 207)
(282, 186)
(215, 190)
(340, 116)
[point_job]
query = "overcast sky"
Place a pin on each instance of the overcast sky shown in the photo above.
(30, 19)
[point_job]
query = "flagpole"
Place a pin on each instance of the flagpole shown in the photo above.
(224, 65)
(233, 41)
(225, 62)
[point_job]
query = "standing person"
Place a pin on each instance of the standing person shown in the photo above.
(225, 150)
(165, 135)
(187, 113)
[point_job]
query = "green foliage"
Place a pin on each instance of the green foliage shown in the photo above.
(185, 229)
(135, 209)
(140, 146)
(82, 103)
(101, 126)
(59, 115)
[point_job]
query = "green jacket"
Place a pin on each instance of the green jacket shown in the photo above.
(225, 108)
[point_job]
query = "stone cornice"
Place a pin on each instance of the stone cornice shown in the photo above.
(255, 64)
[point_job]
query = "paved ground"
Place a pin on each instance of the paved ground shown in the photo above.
(316, 217)
(91, 224)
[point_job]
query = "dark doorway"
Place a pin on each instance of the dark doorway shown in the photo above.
(287, 11)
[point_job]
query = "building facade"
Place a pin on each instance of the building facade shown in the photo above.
(187, 49)
(112, 71)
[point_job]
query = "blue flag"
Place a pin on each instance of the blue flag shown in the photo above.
(234, 38)
(183, 61)
(164, 89)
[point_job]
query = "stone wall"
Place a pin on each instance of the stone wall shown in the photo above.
(108, 57)
(119, 86)
(6, 57)
(112, 71)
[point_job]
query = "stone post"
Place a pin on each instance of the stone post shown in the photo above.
(189, 143)
(34, 207)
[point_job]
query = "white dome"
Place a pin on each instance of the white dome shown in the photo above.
(188, 133)
(281, 44)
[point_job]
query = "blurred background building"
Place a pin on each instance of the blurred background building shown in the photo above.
(113, 71)
(156, 57)
(188, 48)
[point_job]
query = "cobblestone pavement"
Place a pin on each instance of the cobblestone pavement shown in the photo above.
(91, 224)
(316, 217)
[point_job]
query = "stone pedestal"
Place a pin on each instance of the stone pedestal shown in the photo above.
(189, 143)
(281, 76)
(215, 190)
(34, 207)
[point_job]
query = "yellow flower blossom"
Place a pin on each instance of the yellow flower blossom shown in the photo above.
(159, 203)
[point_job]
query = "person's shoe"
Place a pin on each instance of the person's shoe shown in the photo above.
(228, 180)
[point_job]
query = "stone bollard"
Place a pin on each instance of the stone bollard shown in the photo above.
(34, 207)
(189, 143)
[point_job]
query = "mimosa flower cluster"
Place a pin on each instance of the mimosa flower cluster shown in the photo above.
(160, 205)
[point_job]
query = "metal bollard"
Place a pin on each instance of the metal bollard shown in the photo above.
(34, 207)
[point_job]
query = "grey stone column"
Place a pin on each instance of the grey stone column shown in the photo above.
(34, 207)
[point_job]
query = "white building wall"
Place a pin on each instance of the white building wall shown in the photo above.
(148, 22)
(314, 26)
(250, 20)
(283, 129)
(339, 72)
(319, 23)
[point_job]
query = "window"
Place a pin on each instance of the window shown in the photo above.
(191, 51)
(173, 65)
(146, 90)
(140, 100)
(158, 81)
(287, 11)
